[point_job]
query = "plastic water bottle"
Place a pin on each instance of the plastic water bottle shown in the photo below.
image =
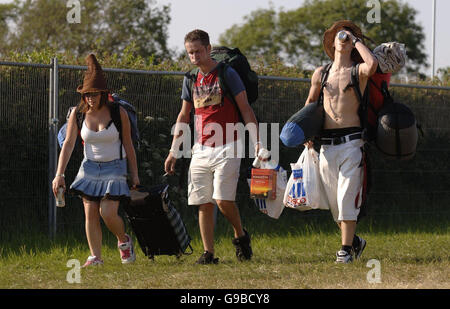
(60, 201)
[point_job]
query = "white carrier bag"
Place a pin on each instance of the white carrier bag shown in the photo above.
(271, 207)
(304, 190)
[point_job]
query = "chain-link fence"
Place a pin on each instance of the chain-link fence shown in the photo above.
(35, 98)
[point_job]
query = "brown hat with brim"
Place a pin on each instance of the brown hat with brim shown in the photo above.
(94, 78)
(330, 34)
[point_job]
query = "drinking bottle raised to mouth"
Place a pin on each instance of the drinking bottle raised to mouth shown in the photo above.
(342, 36)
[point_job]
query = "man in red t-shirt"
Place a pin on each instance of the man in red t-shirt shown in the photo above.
(214, 169)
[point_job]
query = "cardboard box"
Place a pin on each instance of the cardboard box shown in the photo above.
(263, 183)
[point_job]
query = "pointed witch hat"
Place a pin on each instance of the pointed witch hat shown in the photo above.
(330, 34)
(94, 78)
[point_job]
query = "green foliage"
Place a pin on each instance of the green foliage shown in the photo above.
(296, 35)
(276, 67)
(129, 58)
(444, 74)
(7, 14)
(105, 25)
(156, 140)
(259, 26)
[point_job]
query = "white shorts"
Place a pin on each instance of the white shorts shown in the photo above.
(213, 174)
(342, 173)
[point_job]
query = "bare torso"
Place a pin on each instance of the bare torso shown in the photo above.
(340, 101)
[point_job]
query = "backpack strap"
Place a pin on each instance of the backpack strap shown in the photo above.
(80, 117)
(114, 109)
(221, 69)
(323, 80)
(388, 100)
(363, 99)
(223, 84)
(191, 78)
(355, 82)
(79, 120)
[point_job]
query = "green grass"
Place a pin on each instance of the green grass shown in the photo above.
(297, 251)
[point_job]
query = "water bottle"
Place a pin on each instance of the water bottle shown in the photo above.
(60, 202)
(342, 36)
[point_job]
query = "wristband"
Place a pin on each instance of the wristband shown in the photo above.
(60, 175)
(355, 40)
(175, 152)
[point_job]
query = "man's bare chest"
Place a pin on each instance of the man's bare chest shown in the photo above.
(339, 86)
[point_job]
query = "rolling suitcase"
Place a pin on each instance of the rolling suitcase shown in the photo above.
(157, 225)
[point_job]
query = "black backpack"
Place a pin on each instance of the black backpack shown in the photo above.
(235, 59)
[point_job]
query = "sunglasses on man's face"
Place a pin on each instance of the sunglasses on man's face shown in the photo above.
(92, 94)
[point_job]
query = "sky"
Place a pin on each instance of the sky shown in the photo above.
(216, 16)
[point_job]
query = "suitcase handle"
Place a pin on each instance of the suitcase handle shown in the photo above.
(189, 253)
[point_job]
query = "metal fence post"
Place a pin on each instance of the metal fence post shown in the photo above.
(49, 180)
(52, 146)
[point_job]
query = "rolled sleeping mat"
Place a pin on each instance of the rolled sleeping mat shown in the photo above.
(62, 135)
(397, 132)
(303, 125)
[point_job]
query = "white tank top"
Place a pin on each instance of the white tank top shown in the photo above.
(101, 146)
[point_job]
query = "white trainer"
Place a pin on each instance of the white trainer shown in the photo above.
(92, 261)
(343, 257)
(126, 250)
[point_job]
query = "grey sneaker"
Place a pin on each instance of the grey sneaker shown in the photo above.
(343, 257)
(358, 250)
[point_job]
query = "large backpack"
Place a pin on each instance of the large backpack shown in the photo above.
(115, 103)
(235, 59)
(390, 125)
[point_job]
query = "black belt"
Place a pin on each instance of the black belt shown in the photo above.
(340, 139)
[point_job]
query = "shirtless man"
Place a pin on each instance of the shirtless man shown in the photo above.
(341, 153)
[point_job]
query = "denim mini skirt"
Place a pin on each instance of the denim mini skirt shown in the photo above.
(97, 180)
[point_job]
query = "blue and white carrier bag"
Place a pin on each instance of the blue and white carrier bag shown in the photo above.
(304, 190)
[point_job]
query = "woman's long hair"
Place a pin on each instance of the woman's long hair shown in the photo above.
(83, 107)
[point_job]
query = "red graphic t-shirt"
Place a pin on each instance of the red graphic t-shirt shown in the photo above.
(212, 113)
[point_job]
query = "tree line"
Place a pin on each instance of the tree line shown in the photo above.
(267, 36)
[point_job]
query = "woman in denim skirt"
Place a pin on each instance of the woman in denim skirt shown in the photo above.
(101, 181)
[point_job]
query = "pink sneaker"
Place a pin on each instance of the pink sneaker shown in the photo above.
(126, 250)
(92, 261)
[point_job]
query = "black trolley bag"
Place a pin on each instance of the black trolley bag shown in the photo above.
(157, 225)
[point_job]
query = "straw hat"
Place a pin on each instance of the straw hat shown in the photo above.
(94, 79)
(330, 34)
